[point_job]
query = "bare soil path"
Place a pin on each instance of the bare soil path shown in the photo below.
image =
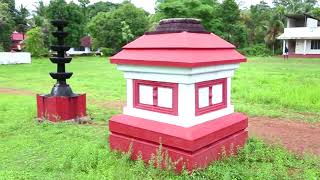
(13, 91)
(296, 136)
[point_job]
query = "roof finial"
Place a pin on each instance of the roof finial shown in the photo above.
(176, 25)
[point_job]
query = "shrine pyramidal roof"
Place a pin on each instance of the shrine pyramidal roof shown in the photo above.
(178, 43)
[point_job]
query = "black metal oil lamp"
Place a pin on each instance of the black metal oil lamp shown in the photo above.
(61, 104)
(61, 88)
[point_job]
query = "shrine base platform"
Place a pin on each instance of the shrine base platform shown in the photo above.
(193, 147)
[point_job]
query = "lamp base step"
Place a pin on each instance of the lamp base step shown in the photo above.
(61, 108)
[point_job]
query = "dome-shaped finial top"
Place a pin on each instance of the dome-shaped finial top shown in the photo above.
(175, 25)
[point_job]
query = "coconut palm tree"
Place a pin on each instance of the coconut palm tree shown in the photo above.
(274, 28)
(296, 6)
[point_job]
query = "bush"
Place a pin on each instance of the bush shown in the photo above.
(1, 48)
(107, 51)
(34, 42)
(256, 50)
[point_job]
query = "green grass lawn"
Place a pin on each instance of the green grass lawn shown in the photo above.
(278, 88)
(261, 87)
(32, 150)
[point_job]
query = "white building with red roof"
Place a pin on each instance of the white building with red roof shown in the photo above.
(17, 40)
(15, 56)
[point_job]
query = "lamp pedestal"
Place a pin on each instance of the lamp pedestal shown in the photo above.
(61, 108)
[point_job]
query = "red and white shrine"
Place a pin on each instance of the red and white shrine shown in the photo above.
(178, 94)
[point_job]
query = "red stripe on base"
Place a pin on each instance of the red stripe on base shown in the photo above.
(188, 139)
(198, 159)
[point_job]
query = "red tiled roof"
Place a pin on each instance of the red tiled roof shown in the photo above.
(16, 36)
(86, 41)
(182, 49)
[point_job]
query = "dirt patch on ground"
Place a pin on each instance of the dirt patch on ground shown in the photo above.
(16, 91)
(115, 105)
(296, 136)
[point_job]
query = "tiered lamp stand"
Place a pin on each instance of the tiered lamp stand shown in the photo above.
(61, 104)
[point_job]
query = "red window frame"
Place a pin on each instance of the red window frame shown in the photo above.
(211, 107)
(155, 107)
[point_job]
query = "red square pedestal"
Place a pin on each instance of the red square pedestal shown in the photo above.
(60, 108)
(193, 147)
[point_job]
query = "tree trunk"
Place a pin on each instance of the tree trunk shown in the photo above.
(273, 48)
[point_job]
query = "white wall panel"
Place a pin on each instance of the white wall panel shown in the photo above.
(203, 97)
(186, 78)
(217, 92)
(165, 97)
(15, 58)
(312, 23)
(129, 93)
(146, 94)
(299, 47)
(186, 102)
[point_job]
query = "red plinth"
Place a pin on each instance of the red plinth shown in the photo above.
(56, 108)
(193, 147)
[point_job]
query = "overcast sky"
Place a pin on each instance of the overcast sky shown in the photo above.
(148, 5)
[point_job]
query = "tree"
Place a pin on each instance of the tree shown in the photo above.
(273, 30)
(205, 10)
(296, 6)
(221, 19)
(19, 16)
(59, 9)
(34, 42)
(11, 6)
(40, 14)
(316, 12)
(106, 28)
(40, 19)
(20, 19)
(232, 30)
(100, 6)
(126, 32)
(84, 3)
(255, 19)
(6, 26)
(84, 7)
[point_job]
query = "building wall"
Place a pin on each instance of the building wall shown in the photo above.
(312, 23)
(299, 46)
(311, 51)
(295, 23)
(290, 23)
(186, 78)
(15, 58)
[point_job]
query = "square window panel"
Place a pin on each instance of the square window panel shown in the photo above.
(165, 97)
(146, 94)
(203, 97)
(217, 91)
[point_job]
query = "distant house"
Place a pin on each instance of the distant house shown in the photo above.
(86, 43)
(16, 41)
(302, 36)
(84, 49)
